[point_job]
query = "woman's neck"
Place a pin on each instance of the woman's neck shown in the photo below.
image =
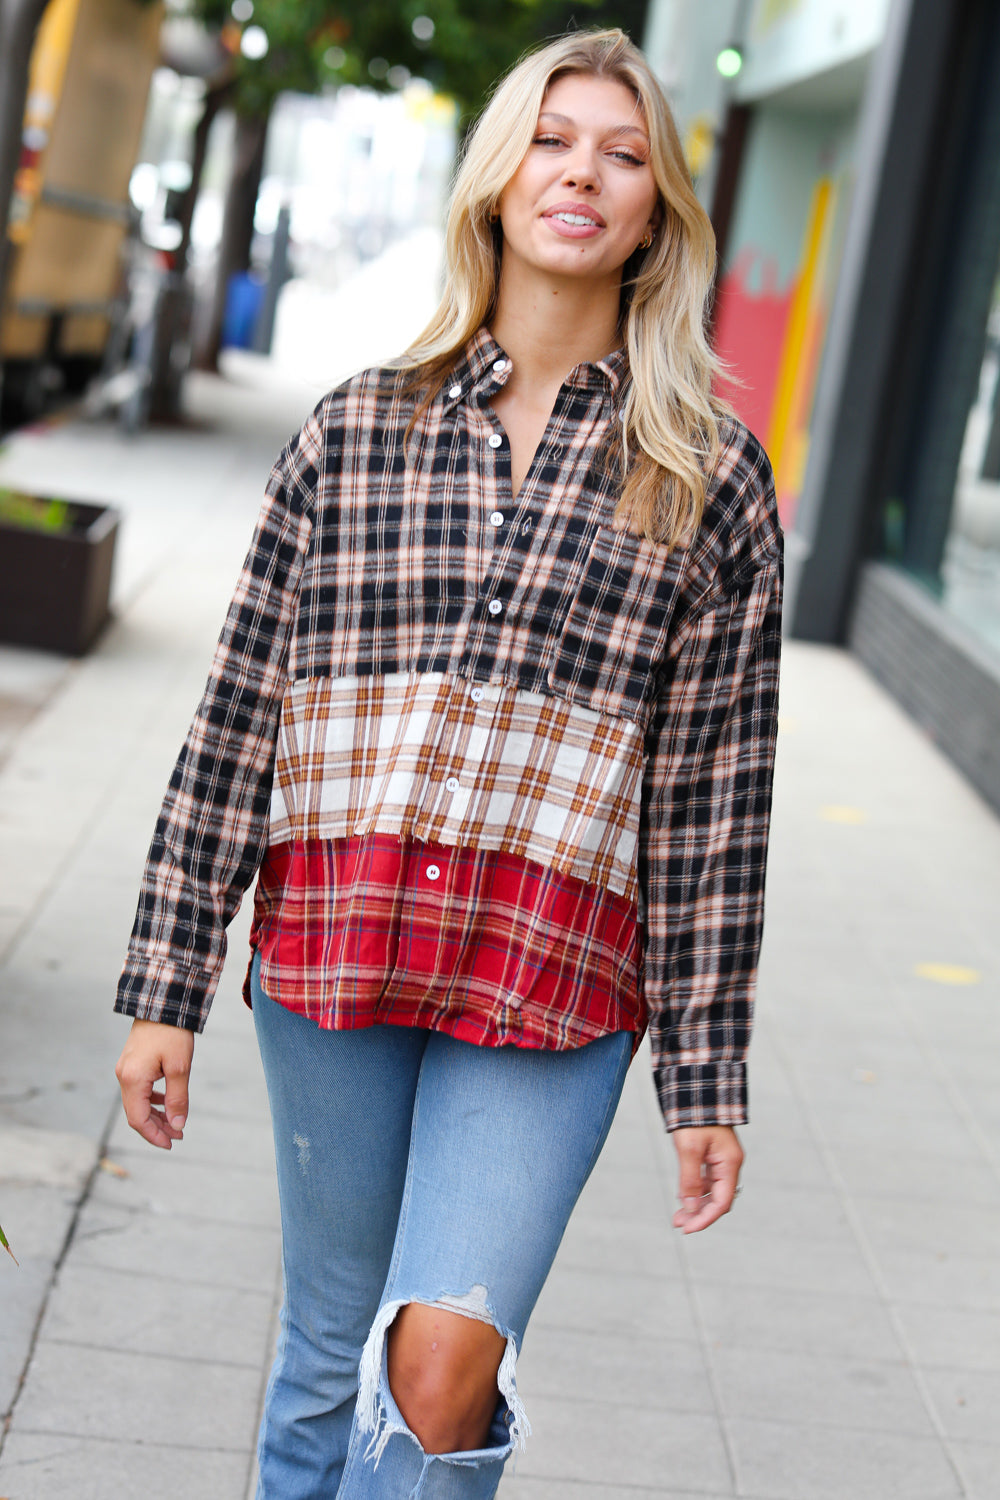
(548, 326)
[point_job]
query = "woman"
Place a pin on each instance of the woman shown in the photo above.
(493, 714)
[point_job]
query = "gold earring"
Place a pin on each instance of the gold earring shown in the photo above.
(646, 240)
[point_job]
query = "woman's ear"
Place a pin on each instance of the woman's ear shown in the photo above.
(652, 227)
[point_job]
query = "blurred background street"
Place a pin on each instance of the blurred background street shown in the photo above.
(838, 1337)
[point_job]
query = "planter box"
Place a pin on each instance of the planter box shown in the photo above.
(55, 571)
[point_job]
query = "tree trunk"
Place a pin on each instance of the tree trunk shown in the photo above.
(174, 310)
(215, 97)
(237, 224)
(19, 21)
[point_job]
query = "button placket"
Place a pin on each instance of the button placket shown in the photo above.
(521, 529)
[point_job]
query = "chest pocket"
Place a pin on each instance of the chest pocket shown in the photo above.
(617, 625)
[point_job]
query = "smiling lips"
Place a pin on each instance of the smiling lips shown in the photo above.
(576, 219)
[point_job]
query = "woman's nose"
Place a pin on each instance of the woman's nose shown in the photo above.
(580, 171)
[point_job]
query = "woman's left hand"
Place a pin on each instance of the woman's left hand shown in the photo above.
(710, 1158)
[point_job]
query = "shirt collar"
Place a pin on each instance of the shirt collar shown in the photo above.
(484, 368)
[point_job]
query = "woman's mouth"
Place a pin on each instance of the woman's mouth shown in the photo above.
(574, 221)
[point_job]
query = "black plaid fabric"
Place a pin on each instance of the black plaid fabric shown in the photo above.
(381, 551)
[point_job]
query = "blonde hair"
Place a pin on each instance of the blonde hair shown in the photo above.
(669, 437)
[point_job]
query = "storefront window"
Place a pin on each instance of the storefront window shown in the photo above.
(970, 570)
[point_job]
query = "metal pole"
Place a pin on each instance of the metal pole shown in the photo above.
(276, 278)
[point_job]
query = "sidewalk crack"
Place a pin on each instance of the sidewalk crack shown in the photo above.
(85, 1192)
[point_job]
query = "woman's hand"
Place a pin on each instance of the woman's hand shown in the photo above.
(710, 1157)
(154, 1051)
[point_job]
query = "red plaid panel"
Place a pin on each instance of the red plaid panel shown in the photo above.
(488, 947)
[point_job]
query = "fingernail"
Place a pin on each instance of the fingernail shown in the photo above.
(178, 1122)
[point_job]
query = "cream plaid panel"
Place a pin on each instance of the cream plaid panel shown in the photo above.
(433, 756)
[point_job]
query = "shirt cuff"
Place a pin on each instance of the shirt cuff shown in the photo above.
(174, 997)
(702, 1094)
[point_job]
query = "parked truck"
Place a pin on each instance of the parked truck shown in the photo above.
(70, 214)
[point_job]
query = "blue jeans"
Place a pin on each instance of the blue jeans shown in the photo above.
(411, 1168)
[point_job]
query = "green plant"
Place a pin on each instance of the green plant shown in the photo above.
(34, 513)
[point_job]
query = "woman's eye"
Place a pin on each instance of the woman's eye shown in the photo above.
(547, 140)
(629, 157)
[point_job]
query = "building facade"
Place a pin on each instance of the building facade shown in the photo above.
(852, 168)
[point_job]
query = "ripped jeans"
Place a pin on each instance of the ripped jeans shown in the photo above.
(411, 1168)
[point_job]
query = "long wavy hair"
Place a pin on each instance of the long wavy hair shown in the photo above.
(668, 438)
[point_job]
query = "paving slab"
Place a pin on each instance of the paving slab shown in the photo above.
(40, 1466)
(592, 1244)
(183, 1249)
(615, 1370)
(37, 1218)
(978, 1464)
(516, 1486)
(925, 1274)
(831, 1323)
(237, 1195)
(943, 1337)
(832, 1264)
(967, 1404)
(800, 1212)
(657, 1449)
(917, 1177)
(135, 1313)
(628, 1304)
(139, 1398)
(811, 1389)
(786, 1461)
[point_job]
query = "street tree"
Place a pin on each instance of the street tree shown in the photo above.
(459, 46)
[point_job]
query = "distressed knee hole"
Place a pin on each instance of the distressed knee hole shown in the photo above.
(378, 1414)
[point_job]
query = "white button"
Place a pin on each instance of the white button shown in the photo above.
(476, 694)
(456, 390)
(514, 1001)
(433, 872)
(453, 783)
(494, 439)
(500, 365)
(494, 606)
(496, 518)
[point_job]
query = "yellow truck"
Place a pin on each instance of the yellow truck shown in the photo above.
(70, 214)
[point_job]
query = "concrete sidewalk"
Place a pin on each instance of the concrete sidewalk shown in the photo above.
(838, 1336)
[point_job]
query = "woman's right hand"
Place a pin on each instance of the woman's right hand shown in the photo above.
(154, 1051)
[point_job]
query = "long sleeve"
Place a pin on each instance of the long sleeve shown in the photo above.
(212, 828)
(706, 810)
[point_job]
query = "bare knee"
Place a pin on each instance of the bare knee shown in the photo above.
(443, 1376)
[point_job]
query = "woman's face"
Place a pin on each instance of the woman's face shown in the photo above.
(584, 196)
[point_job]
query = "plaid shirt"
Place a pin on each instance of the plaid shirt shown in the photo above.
(411, 652)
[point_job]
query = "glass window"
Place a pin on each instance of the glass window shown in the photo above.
(970, 570)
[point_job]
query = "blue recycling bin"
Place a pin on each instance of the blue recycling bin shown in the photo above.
(244, 300)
